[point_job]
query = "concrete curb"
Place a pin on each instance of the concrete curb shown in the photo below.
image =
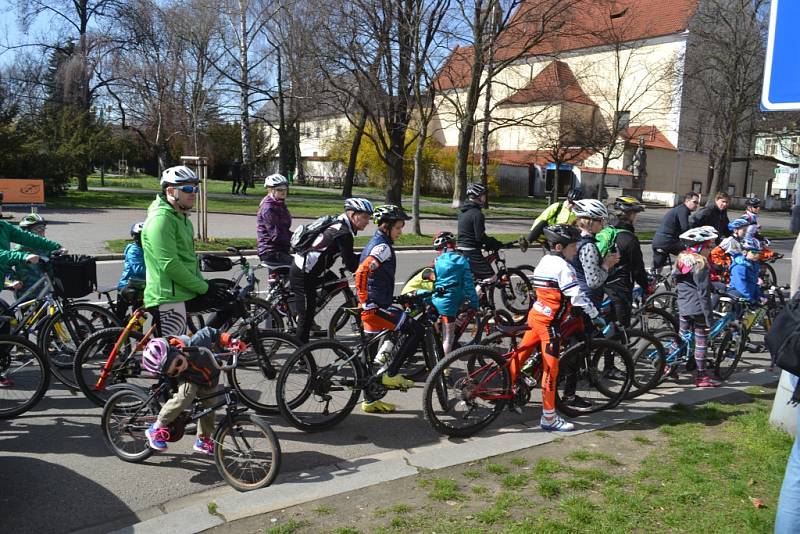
(367, 471)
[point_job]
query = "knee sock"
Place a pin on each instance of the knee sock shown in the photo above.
(700, 341)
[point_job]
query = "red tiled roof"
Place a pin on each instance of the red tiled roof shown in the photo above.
(653, 138)
(524, 158)
(555, 83)
(599, 170)
(582, 24)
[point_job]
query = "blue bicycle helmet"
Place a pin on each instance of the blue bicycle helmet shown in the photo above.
(752, 244)
(738, 223)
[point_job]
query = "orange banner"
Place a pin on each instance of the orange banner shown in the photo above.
(19, 191)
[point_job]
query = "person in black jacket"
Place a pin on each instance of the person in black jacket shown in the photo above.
(714, 215)
(675, 222)
(472, 232)
(630, 269)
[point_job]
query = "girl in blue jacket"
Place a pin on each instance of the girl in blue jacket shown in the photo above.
(454, 275)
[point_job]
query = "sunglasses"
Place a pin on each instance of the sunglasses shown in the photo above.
(187, 188)
(281, 189)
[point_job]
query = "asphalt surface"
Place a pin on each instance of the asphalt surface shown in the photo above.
(58, 475)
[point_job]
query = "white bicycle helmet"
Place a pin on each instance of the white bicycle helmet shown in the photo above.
(358, 205)
(276, 180)
(32, 220)
(475, 189)
(699, 235)
(590, 209)
(178, 176)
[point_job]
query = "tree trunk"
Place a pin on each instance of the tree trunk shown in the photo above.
(244, 94)
(350, 173)
(467, 128)
(418, 153)
(285, 144)
(394, 167)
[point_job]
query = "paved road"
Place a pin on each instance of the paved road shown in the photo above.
(58, 475)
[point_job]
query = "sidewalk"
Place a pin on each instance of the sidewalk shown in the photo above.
(229, 506)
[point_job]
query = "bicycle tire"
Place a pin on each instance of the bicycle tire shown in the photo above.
(126, 415)
(92, 355)
(483, 325)
(649, 359)
(654, 320)
(238, 453)
(729, 351)
(254, 379)
(312, 368)
(463, 388)
(28, 373)
(577, 365)
(338, 298)
(272, 320)
(517, 293)
(664, 300)
(344, 327)
(768, 275)
(56, 340)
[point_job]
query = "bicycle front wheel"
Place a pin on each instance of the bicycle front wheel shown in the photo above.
(649, 359)
(247, 452)
(319, 385)
(24, 376)
(462, 397)
(729, 352)
(126, 415)
(586, 382)
(517, 293)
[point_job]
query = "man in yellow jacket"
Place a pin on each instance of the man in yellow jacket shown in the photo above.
(558, 213)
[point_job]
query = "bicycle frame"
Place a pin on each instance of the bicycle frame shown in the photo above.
(136, 322)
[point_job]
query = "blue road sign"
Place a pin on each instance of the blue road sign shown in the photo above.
(781, 90)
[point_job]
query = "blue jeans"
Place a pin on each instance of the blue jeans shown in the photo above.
(787, 520)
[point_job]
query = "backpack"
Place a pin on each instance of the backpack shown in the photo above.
(606, 239)
(304, 235)
(783, 341)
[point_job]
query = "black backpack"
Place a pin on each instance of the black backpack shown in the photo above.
(304, 235)
(783, 341)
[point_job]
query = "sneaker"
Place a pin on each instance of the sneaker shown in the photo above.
(575, 401)
(5, 382)
(707, 382)
(556, 424)
(397, 381)
(204, 445)
(157, 437)
(614, 374)
(378, 406)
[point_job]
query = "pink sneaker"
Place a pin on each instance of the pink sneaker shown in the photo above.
(5, 382)
(707, 382)
(204, 445)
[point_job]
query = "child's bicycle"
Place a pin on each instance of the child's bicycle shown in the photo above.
(246, 451)
(469, 388)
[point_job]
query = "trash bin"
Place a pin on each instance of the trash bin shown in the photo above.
(783, 414)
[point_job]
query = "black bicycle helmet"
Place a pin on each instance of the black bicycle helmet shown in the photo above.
(389, 213)
(753, 202)
(562, 234)
(476, 189)
(443, 239)
(627, 205)
(576, 193)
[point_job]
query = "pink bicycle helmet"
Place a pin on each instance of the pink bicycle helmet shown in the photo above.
(155, 355)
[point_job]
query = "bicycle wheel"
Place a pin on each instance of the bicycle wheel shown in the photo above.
(581, 377)
(126, 415)
(483, 325)
(767, 274)
(24, 375)
(337, 298)
(729, 352)
(319, 385)
(655, 321)
(270, 318)
(256, 376)
(345, 326)
(460, 398)
(247, 452)
(664, 300)
(649, 359)
(92, 356)
(63, 332)
(516, 292)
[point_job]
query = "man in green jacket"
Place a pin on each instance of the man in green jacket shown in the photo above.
(558, 213)
(174, 284)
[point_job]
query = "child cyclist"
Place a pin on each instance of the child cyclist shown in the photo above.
(557, 290)
(195, 374)
(693, 285)
(375, 288)
(30, 273)
(744, 271)
(133, 270)
(722, 254)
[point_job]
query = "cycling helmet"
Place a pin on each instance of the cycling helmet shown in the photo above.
(699, 235)
(751, 243)
(628, 204)
(276, 180)
(576, 193)
(476, 189)
(31, 220)
(753, 202)
(136, 231)
(738, 223)
(562, 234)
(179, 175)
(590, 209)
(358, 205)
(389, 213)
(155, 355)
(443, 239)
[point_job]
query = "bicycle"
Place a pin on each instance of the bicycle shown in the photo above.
(246, 451)
(322, 381)
(24, 375)
(473, 384)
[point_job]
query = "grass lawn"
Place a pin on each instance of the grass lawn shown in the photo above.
(712, 468)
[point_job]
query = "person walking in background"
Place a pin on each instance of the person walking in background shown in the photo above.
(236, 177)
(274, 222)
(714, 215)
(675, 223)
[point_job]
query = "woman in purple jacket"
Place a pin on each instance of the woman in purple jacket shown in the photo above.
(274, 221)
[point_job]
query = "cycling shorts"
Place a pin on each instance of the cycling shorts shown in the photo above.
(377, 320)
